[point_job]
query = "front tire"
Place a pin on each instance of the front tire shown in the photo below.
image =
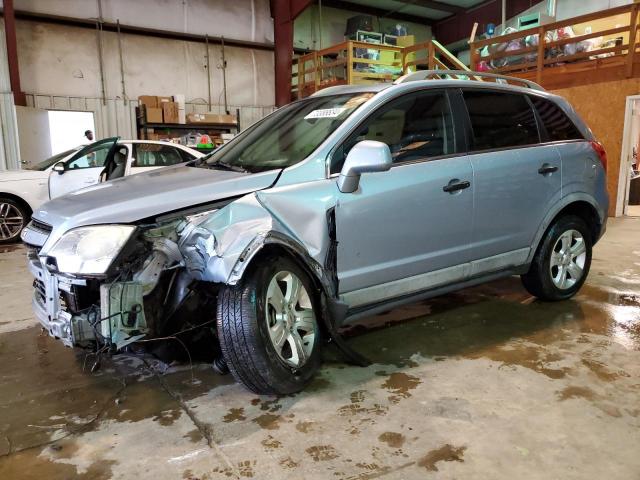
(561, 264)
(13, 218)
(269, 328)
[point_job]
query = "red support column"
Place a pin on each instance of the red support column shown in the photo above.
(284, 13)
(12, 53)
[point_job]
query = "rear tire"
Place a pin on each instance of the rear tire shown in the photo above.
(561, 264)
(270, 335)
(13, 218)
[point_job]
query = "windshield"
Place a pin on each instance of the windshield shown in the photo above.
(288, 135)
(51, 160)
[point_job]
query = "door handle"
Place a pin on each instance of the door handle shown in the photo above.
(546, 168)
(454, 185)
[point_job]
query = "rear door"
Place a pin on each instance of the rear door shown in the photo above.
(407, 229)
(83, 169)
(516, 177)
(148, 156)
(578, 162)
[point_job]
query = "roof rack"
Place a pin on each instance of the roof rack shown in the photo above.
(468, 75)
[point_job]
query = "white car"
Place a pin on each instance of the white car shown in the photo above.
(22, 191)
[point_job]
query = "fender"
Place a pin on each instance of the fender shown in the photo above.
(557, 208)
(221, 247)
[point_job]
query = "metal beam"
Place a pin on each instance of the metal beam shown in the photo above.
(443, 7)
(376, 12)
(19, 97)
(284, 12)
(133, 30)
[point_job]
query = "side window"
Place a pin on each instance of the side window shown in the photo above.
(416, 126)
(91, 159)
(557, 124)
(500, 120)
(186, 156)
(154, 155)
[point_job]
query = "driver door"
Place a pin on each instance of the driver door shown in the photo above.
(406, 230)
(83, 169)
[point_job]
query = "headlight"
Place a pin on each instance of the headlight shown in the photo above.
(90, 250)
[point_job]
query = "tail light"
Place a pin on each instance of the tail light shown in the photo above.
(602, 154)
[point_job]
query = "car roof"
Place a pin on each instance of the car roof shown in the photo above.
(431, 83)
(155, 142)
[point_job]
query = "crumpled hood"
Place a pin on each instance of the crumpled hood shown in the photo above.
(17, 175)
(136, 197)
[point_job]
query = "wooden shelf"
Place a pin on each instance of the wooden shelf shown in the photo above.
(339, 65)
(142, 126)
(191, 126)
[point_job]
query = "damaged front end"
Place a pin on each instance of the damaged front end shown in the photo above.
(114, 285)
(110, 286)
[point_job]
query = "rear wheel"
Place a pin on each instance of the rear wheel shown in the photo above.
(13, 218)
(562, 262)
(268, 327)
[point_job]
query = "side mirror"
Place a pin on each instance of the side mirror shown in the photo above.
(59, 167)
(365, 156)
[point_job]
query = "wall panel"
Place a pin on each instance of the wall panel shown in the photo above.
(602, 107)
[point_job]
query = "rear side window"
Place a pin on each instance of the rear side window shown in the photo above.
(557, 124)
(155, 155)
(500, 120)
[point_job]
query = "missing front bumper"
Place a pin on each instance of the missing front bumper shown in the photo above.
(71, 330)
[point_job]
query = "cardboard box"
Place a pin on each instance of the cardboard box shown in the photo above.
(180, 100)
(148, 101)
(170, 112)
(210, 118)
(154, 115)
(162, 100)
(406, 40)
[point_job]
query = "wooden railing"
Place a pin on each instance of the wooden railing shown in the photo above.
(353, 62)
(617, 25)
(437, 58)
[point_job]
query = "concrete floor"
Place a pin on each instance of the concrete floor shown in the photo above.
(485, 383)
(633, 210)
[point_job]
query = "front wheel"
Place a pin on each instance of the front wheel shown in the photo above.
(268, 328)
(13, 218)
(562, 262)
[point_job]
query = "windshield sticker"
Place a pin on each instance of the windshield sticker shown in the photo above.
(325, 113)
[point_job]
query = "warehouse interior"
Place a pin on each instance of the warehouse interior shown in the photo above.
(486, 379)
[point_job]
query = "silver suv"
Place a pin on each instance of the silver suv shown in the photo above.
(347, 203)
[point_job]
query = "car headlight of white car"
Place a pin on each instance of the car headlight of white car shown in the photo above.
(90, 250)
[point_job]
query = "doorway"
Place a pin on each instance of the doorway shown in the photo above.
(66, 129)
(43, 133)
(628, 201)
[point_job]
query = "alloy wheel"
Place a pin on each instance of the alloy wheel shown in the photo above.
(290, 319)
(11, 221)
(568, 259)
